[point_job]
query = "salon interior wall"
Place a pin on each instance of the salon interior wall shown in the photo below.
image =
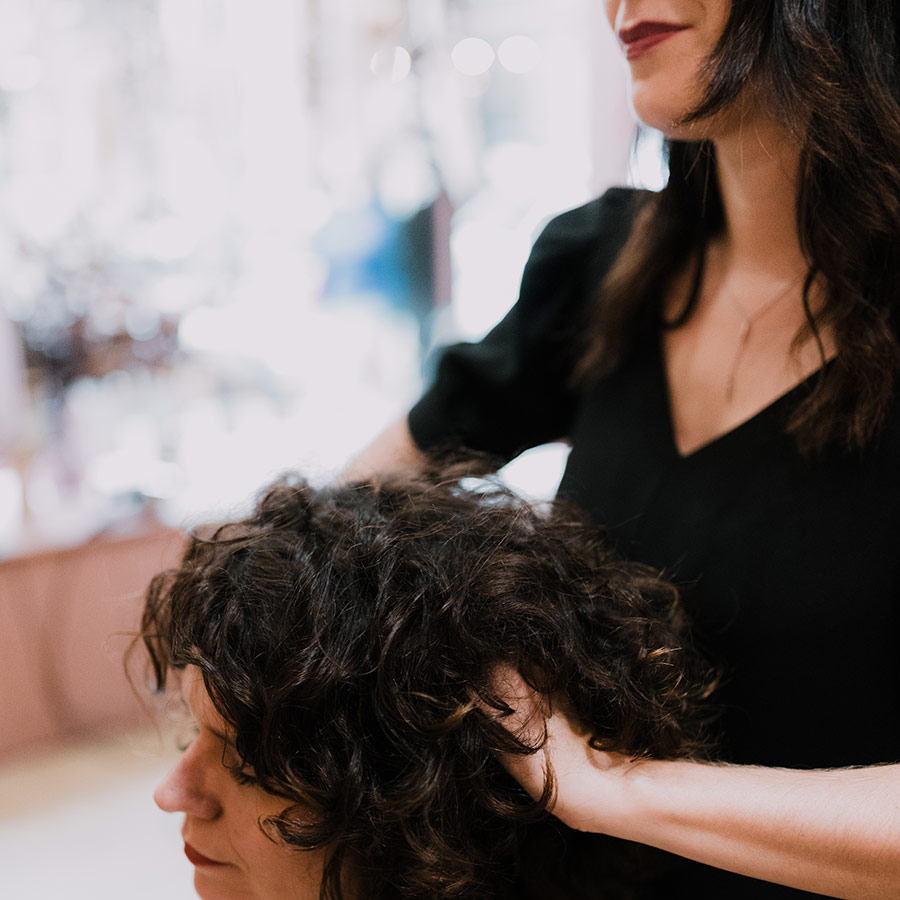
(208, 210)
(231, 232)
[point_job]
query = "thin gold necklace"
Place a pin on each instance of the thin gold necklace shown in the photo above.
(747, 322)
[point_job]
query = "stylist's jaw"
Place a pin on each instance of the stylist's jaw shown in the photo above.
(233, 859)
(666, 44)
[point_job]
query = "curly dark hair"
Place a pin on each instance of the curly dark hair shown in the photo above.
(349, 634)
(830, 71)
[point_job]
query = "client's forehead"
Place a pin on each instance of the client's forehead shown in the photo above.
(195, 695)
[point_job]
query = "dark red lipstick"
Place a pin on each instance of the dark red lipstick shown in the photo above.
(198, 859)
(643, 37)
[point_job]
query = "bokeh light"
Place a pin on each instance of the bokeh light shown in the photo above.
(394, 63)
(519, 54)
(473, 56)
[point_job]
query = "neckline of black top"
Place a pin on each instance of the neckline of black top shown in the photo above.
(756, 423)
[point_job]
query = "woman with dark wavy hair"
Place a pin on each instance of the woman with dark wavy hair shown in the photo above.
(340, 650)
(723, 357)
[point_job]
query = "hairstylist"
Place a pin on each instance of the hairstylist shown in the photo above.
(734, 420)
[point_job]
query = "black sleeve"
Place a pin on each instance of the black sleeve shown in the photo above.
(512, 390)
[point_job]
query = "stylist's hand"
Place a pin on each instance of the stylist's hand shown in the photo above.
(832, 832)
(590, 784)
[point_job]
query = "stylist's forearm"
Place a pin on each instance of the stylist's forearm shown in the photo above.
(392, 452)
(833, 832)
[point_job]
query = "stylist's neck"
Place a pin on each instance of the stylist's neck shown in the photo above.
(757, 164)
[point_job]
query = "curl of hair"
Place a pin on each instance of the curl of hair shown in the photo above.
(349, 634)
(830, 71)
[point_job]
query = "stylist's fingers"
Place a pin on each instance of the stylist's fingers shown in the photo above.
(530, 708)
(528, 723)
(578, 770)
(539, 721)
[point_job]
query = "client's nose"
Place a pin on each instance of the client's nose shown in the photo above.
(184, 790)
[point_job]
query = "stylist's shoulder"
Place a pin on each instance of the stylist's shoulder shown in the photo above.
(487, 396)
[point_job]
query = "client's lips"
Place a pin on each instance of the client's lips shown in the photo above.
(197, 858)
(640, 38)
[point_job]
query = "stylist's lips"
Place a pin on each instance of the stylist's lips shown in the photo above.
(198, 859)
(643, 37)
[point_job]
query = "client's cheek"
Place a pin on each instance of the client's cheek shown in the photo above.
(277, 872)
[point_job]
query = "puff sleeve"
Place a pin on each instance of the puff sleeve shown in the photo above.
(512, 390)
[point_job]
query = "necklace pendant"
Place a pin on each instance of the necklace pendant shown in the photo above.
(744, 332)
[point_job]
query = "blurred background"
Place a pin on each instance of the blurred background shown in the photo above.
(231, 234)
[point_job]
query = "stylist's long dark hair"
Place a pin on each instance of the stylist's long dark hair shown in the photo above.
(831, 71)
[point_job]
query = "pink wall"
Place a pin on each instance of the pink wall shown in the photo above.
(62, 618)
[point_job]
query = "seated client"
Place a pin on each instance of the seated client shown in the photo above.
(339, 650)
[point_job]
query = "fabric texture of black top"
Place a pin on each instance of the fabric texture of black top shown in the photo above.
(790, 568)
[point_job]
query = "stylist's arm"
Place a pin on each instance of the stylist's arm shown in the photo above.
(834, 832)
(392, 452)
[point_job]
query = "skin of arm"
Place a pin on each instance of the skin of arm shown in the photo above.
(833, 832)
(393, 452)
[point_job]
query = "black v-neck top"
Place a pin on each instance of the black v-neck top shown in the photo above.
(790, 568)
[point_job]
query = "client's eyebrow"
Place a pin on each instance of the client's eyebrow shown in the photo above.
(224, 738)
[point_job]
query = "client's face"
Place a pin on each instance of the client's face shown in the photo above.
(232, 858)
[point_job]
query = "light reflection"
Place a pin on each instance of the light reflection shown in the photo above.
(394, 64)
(519, 54)
(473, 56)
